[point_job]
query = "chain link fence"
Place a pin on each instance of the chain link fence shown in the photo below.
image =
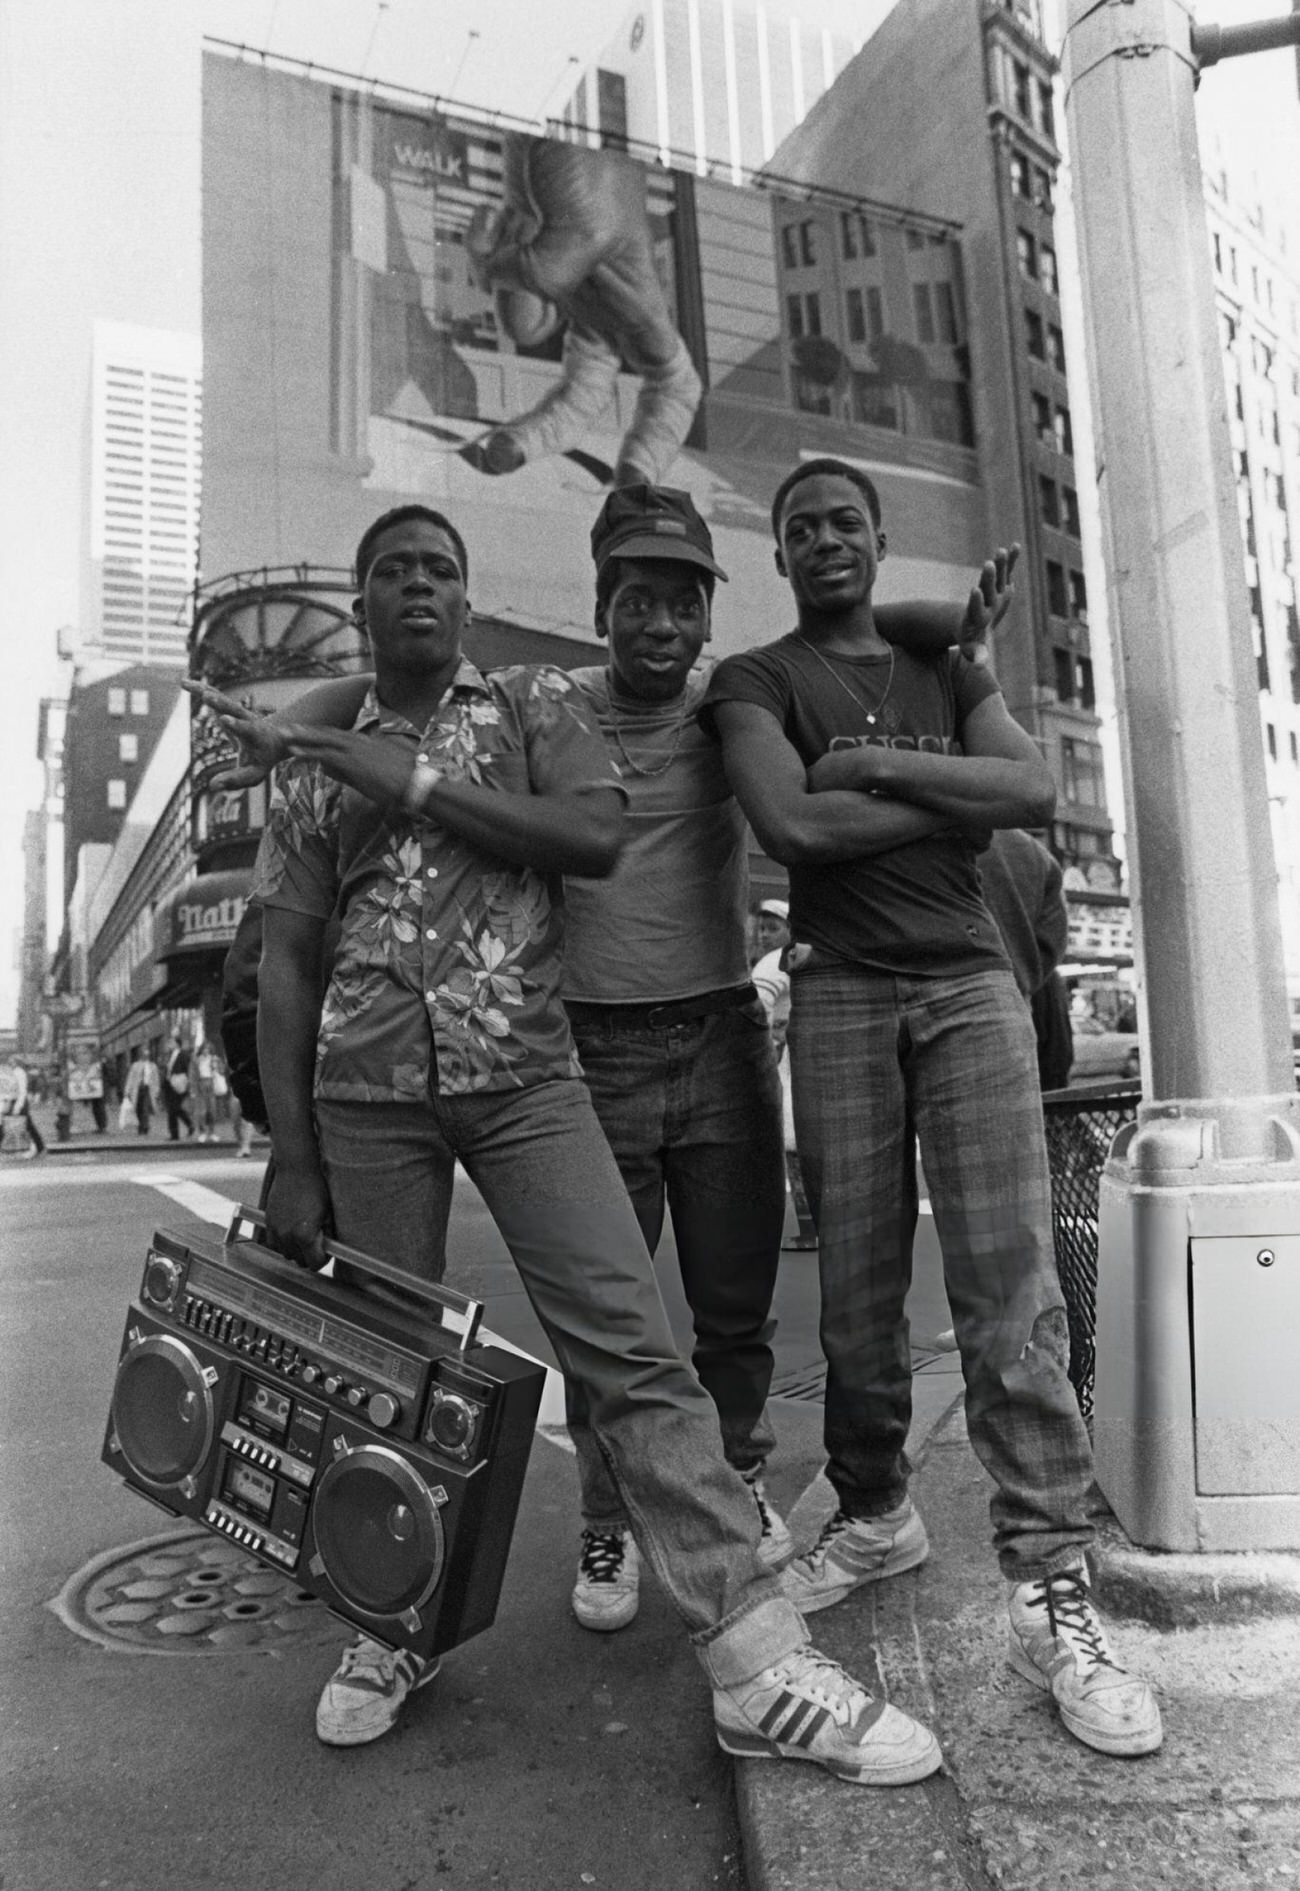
(1081, 1125)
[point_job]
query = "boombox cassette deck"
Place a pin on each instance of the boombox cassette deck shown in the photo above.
(362, 1440)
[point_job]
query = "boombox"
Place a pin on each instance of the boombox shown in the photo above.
(364, 1443)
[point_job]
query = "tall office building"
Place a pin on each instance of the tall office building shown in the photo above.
(714, 85)
(146, 446)
(1257, 292)
(983, 152)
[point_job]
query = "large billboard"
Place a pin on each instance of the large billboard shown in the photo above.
(510, 324)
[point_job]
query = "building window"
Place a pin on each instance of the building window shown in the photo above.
(1063, 663)
(875, 314)
(1027, 255)
(950, 413)
(139, 702)
(915, 240)
(868, 235)
(1295, 751)
(1021, 92)
(117, 702)
(812, 305)
(1062, 431)
(811, 397)
(924, 312)
(1046, 109)
(848, 235)
(1034, 335)
(1047, 270)
(808, 244)
(1019, 174)
(1217, 241)
(1057, 596)
(1084, 780)
(1048, 503)
(857, 316)
(875, 403)
(117, 794)
(1041, 408)
(1078, 597)
(1042, 188)
(1056, 347)
(790, 246)
(1271, 733)
(1087, 691)
(1070, 510)
(945, 311)
(794, 315)
(128, 748)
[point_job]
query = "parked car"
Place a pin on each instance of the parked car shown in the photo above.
(1101, 1052)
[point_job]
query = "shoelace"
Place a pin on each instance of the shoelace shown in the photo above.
(602, 1555)
(829, 1531)
(369, 1658)
(838, 1691)
(1070, 1615)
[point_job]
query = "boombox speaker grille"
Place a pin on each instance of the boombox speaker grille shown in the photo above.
(378, 1533)
(162, 1411)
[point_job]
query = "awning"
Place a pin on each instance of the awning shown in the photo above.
(200, 920)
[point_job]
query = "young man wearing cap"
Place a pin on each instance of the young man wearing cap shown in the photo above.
(437, 830)
(871, 774)
(672, 1037)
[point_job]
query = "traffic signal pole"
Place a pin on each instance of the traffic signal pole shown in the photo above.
(1197, 1429)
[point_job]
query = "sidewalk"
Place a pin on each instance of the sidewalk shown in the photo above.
(1021, 1805)
(85, 1138)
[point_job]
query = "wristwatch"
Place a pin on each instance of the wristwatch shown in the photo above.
(423, 778)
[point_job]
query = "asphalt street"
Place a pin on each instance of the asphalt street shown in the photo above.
(541, 1756)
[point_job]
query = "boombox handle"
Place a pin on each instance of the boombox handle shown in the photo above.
(466, 1312)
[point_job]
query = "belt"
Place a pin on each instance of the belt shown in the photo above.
(679, 1011)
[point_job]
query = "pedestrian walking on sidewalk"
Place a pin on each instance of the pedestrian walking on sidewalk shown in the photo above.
(176, 1088)
(875, 778)
(16, 1105)
(140, 1089)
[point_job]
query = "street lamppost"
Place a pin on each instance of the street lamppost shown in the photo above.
(1197, 1397)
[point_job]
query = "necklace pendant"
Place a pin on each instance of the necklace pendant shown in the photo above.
(871, 719)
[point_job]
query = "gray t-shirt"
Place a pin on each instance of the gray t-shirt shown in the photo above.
(669, 922)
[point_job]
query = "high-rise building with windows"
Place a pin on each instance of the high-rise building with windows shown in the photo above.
(950, 108)
(146, 444)
(714, 85)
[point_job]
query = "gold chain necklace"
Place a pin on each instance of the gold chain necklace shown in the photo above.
(648, 774)
(870, 714)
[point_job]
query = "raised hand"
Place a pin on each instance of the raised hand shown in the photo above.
(261, 740)
(989, 601)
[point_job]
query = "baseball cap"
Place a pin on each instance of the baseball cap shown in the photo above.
(652, 522)
(778, 908)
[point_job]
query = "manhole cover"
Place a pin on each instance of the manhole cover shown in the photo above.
(191, 1594)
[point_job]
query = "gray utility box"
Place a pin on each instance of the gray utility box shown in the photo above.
(1197, 1408)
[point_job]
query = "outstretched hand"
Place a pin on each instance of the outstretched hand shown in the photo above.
(989, 602)
(261, 741)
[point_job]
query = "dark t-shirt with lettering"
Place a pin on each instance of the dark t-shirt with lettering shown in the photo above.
(916, 908)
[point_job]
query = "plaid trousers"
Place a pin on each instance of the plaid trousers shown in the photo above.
(879, 1062)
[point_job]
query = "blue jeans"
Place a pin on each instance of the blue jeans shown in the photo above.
(880, 1061)
(692, 1112)
(544, 1169)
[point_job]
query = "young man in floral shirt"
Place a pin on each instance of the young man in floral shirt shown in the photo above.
(438, 827)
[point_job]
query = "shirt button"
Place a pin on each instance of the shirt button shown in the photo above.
(432, 872)
(431, 997)
(430, 933)
(421, 758)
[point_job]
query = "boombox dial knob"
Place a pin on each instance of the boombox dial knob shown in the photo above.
(333, 1384)
(357, 1396)
(383, 1410)
(310, 1374)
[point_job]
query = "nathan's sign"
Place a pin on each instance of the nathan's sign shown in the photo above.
(204, 914)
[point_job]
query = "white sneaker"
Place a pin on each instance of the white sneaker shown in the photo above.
(807, 1708)
(608, 1590)
(364, 1695)
(1058, 1643)
(852, 1551)
(777, 1545)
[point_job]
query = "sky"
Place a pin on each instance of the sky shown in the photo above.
(99, 181)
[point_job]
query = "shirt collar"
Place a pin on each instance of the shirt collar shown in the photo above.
(468, 680)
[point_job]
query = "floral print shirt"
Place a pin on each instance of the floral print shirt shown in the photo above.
(447, 971)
